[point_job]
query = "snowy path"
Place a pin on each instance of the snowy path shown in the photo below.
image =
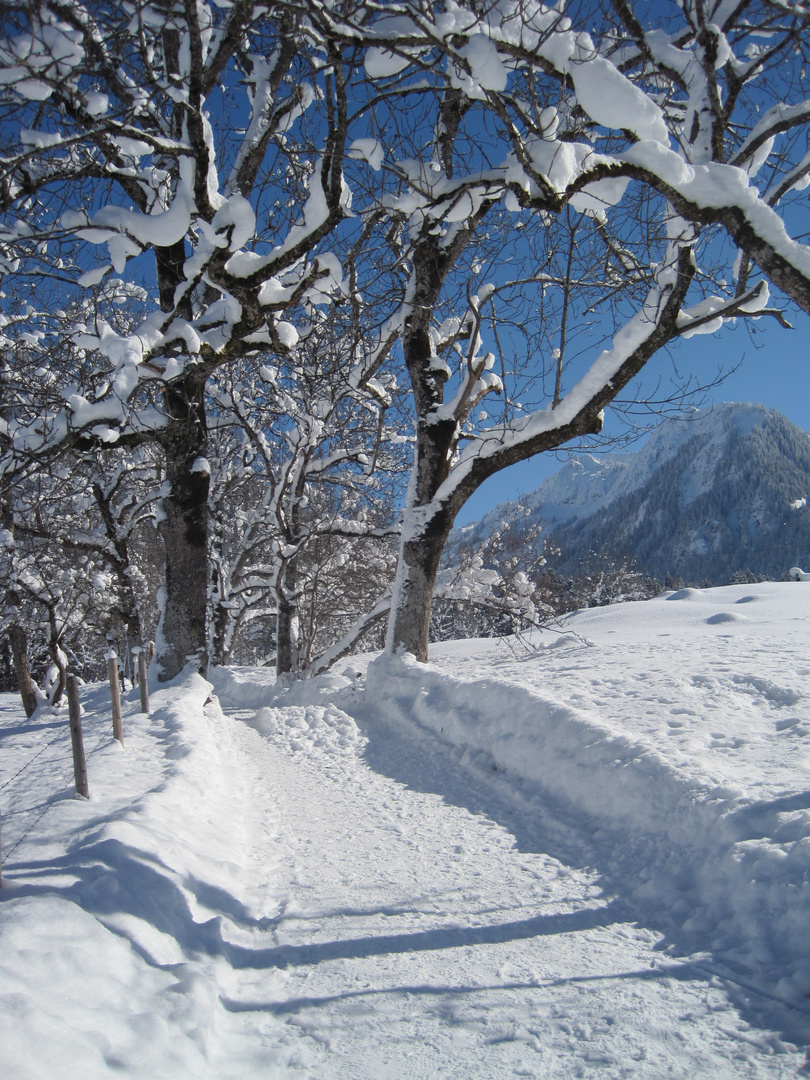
(593, 863)
(412, 938)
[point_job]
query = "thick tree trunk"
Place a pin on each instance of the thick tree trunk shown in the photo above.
(426, 527)
(409, 621)
(18, 639)
(184, 529)
(286, 636)
(221, 617)
(423, 540)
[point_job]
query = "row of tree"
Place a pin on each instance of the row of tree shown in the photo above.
(286, 279)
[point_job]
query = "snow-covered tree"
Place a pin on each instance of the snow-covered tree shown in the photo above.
(670, 142)
(492, 587)
(506, 176)
(304, 466)
(69, 584)
(608, 578)
(197, 152)
(76, 518)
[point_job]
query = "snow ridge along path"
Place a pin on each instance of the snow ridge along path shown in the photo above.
(500, 868)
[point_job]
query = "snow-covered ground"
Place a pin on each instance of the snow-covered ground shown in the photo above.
(590, 860)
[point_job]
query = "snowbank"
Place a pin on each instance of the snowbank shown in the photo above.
(292, 892)
(101, 906)
(730, 869)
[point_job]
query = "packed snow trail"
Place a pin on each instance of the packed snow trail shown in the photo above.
(283, 894)
(406, 878)
(416, 938)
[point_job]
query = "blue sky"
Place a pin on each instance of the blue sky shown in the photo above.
(775, 372)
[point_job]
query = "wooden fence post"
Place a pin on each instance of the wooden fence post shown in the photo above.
(143, 683)
(115, 697)
(79, 764)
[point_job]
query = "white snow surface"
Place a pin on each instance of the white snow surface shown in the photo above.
(585, 859)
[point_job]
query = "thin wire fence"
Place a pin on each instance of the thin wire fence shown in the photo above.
(60, 735)
(59, 776)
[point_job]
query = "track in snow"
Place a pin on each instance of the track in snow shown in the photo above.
(413, 920)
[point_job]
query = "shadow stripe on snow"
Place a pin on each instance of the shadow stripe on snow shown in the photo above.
(704, 852)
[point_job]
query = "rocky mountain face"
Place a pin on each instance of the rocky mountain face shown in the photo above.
(711, 494)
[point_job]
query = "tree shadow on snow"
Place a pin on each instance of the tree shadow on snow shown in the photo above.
(109, 879)
(407, 753)
(290, 1006)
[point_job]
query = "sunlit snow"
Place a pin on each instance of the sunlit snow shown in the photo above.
(585, 859)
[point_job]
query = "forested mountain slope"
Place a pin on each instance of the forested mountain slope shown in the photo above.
(719, 491)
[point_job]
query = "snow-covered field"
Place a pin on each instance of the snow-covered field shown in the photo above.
(586, 860)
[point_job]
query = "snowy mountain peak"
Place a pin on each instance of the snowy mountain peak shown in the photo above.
(709, 493)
